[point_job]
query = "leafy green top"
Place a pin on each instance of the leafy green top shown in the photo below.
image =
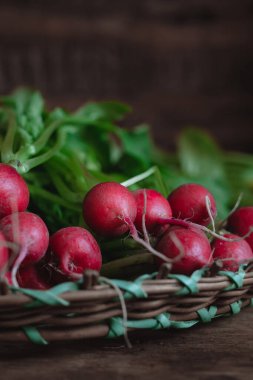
(62, 155)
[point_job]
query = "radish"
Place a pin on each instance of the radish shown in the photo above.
(4, 255)
(151, 209)
(108, 208)
(73, 250)
(30, 277)
(232, 253)
(240, 223)
(189, 202)
(14, 193)
(30, 233)
(193, 246)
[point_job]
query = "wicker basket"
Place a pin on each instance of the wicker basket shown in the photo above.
(91, 308)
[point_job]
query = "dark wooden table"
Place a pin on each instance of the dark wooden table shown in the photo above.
(221, 350)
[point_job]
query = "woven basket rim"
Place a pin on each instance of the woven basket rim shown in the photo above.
(95, 310)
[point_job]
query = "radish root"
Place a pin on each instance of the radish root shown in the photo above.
(144, 228)
(22, 255)
(183, 223)
(179, 246)
(209, 211)
(135, 236)
(123, 307)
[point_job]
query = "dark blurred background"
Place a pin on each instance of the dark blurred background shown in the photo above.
(176, 62)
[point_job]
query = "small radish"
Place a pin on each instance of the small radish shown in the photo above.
(4, 255)
(26, 230)
(108, 208)
(30, 233)
(240, 222)
(156, 207)
(196, 250)
(233, 253)
(189, 202)
(14, 193)
(30, 277)
(73, 250)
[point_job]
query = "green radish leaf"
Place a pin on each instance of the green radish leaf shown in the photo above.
(98, 150)
(137, 148)
(28, 106)
(55, 114)
(221, 192)
(199, 155)
(103, 111)
(97, 147)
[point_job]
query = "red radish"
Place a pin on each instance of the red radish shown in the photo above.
(156, 207)
(31, 278)
(14, 193)
(74, 250)
(8, 278)
(195, 246)
(237, 251)
(29, 232)
(241, 221)
(108, 208)
(4, 255)
(189, 202)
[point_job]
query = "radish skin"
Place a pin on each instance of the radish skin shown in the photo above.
(157, 207)
(232, 254)
(188, 202)
(30, 277)
(74, 250)
(196, 249)
(106, 207)
(241, 221)
(29, 232)
(14, 193)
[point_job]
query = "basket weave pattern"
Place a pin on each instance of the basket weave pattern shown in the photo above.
(92, 308)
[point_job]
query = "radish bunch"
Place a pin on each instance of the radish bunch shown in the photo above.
(26, 252)
(178, 224)
(24, 236)
(173, 229)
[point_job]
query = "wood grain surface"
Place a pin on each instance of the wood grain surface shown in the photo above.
(177, 62)
(221, 350)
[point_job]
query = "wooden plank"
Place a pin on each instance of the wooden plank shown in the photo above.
(175, 62)
(116, 69)
(219, 350)
(174, 10)
(33, 24)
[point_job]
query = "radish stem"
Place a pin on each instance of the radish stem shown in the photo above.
(184, 223)
(135, 236)
(139, 177)
(22, 255)
(144, 229)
